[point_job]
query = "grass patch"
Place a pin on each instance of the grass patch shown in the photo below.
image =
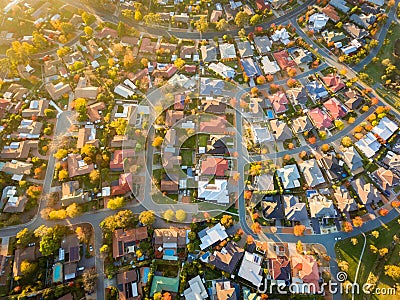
(187, 157)
(376, 70)
(346, 251)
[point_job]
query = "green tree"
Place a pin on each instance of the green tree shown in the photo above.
(147, 217)
(61, 153)
(222, 25)
(116, 203)
(201, 24)
(27, 268)
(121, 219)
(242, 19)
(180, 215)
(50, 238)
(73, 210)
(24, 237)
(62, 51)
(169, 215)
(66, 28)
(121, 29)
(39, 40)
(89, 277)
(63, 175)
(138, 15)
(152, 18)
(190, 247)
(88, 18)
(255, 19)
(227, 221)
(88, 30)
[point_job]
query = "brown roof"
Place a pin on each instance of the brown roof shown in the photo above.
(148, 45)
(122, 237)
(83, 138)
(76, 166)
(172, 117)
(93, 111)
(170, 235)
(216, 125)
(21, 152)
(331, 13)
(169, 186)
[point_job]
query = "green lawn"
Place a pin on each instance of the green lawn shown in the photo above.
(376, 70)
(202, 139)
(187, 157)
(346, 251)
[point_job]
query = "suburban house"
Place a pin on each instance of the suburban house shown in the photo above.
(353, 160)
(316, 91)
(227, 51)
(217, 191)
(228, 258)
(127, 284)
(368, 145)
(317, 21)
(263, 44)
(385, 128)
(169, 240)
(320, 119)
(124, 241)
(289, 175)
(304, 270)
(354, 100)
(196, 289)
(367, 192)
(320, 206)
(72, 193)
(312, 173)
(301, 124)
(335, 108)
(279, 102)
(211, 236)
(280, 130)
(208, 53)
(250, 268)
(77, 166)
(334, 82)
(334, 167)
(284, 60)
(386, 178)
(294, 209)
(344, 201)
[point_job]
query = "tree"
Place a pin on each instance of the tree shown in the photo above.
(66, 28)
(88, 30)
(357, 222)
(121, 29)
(256, 227)
(354, 241)
(121, 219)
(179, 63)
(322, 134)
(242, 19)
(27, 268)
(157, 296)
(138, 15)
(63, 175)
(89, 150)
(104, 248)
(299, 247)
(346, 141)
(61, 153)
(201, 24)
(73, 210)
(157, 141)
(88, 18)
(298, 230)
(190, 247)
(393, 272)
(58, 214)
(39, 40)
(89, 277)
(119, 125)
(81, 234)
(24, 237)
(116, 203)
(375, 234)
(147, 217)
(168, 215)
(50, 238)
(226, 221)
(152, 18)
(255, 19)
(291, 72)
(129, 60)
(347, 227)
(221, 25)
(94, 176)
(325, 148)
(383, 251)
(339, 124)
(373, 249)
(383, 212)
(351, 120)
(80, 105)
(180, 215)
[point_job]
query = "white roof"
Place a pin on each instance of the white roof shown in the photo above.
(213, 235)
(385, 128)
(312, 173)
(318, 20)
(216, 191)
(222, 70)
(227, 51)
(290, 176)
(196, 290)
(368, 145)
(123, 91)
(250, 269)
(269, 67)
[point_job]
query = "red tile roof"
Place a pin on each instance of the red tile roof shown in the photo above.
(335, 108)
(214, 166)
(334, 82)
(320, 119)
(279, 102)
(283, 59)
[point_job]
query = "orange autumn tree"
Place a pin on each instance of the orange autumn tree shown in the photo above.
(256, 227)
(357, 222)
(250, 240)
(347, 227)
(383, 212)
(396, 204)
(298, 230)
(247, 194)
(167, 296)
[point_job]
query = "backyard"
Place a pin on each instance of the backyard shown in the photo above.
(371, 262)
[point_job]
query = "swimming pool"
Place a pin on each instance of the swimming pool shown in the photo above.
(57, 272)
(169, 252)
(146, 271)
(270, 114)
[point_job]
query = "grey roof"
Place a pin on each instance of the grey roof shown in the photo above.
(208, 53)
(352, 159)
(294, 210)
(244, 49)
(263, 44)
